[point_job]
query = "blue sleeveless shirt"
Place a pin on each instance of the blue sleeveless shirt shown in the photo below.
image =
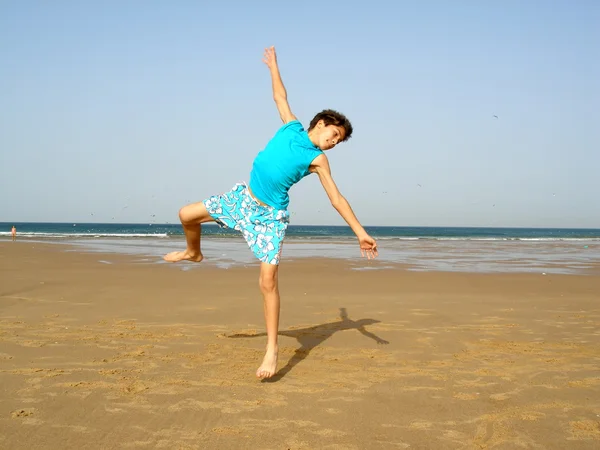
(283, 162)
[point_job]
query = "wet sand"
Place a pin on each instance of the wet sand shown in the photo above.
(98, 351)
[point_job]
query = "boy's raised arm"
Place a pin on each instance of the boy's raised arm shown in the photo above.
(368, 246)
(279, 92)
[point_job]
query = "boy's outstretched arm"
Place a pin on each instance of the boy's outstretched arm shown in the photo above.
(279, 92)
(368, 246)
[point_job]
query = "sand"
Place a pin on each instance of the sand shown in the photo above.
(101, 352)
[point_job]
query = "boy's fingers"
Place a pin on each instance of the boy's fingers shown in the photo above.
(370, 253)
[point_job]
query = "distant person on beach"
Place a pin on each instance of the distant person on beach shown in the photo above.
(14, 233)
(259, 210)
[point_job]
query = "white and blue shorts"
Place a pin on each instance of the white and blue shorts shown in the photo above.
(263, 227)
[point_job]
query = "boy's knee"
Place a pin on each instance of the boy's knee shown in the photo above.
(267, 282)
(184, 215)
(187, 215)
(195, 213)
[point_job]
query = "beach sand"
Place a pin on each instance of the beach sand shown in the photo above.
(98, 351)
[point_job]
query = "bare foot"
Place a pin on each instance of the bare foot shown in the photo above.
(269, 365)
(184, 255)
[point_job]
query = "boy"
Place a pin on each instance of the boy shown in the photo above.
(259, 210)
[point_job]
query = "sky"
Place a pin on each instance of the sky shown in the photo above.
(132, 109)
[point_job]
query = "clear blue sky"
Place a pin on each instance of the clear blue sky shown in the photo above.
(151, 104)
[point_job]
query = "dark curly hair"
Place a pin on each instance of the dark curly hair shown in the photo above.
(331, 117)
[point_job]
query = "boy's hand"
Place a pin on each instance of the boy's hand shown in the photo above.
(368, 246)
(279, 92)
(270, 58)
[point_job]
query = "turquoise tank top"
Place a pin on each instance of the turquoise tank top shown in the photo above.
(284, 161)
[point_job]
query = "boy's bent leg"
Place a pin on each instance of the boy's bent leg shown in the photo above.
(191, 216)
(269, 286)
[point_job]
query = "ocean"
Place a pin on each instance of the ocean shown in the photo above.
(543, 250)
(126, 230)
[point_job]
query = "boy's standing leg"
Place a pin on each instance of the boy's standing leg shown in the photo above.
(269, 286)
(191, 216)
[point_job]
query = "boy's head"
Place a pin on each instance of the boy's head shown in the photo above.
(329, 128)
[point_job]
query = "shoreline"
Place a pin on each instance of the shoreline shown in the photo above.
(542, 258)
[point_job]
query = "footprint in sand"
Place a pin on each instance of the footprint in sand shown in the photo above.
(585, 429)
(24, 412)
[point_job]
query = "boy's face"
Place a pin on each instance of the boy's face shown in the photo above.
(329, 135)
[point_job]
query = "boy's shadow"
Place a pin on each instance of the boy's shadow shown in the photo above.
(311, 337)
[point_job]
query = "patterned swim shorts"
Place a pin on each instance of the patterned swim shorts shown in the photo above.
(263, 227)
